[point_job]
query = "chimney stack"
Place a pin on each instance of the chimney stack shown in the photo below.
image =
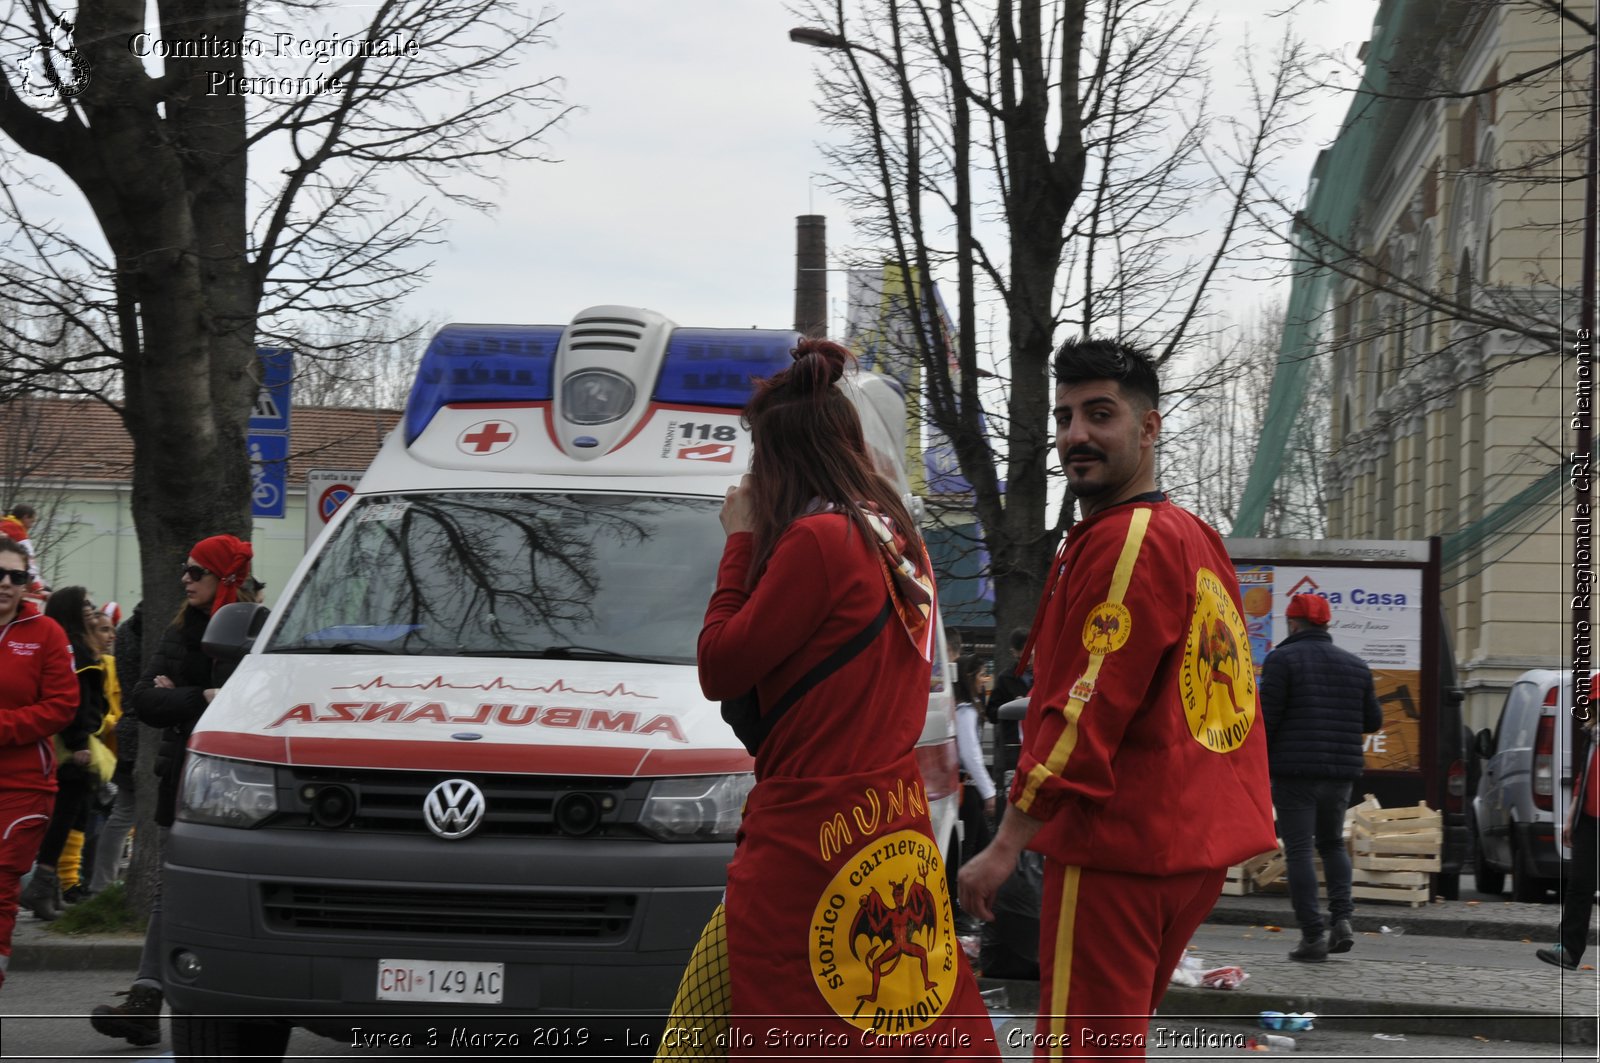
(811, 275)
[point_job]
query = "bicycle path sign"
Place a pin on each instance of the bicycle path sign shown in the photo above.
(269, 455)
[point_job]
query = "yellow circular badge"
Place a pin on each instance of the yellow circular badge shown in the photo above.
(1106, 628)
(1218, 681)
(883, 943)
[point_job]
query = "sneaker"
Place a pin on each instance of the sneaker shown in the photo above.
(1313, 948)
(75, 893)
(1341, 938)
(1558, 956)
(138, 1021)
(43, 895)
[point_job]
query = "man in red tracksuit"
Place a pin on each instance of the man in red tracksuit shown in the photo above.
(38, 697)
(1143, 772)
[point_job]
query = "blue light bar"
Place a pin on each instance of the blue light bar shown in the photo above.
(482, 363)
(715, 367)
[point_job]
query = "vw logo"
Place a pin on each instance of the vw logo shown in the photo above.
(453, 809)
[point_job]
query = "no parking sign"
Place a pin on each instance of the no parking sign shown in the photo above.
(326, 491)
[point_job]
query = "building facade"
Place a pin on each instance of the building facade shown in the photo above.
(1441, 255)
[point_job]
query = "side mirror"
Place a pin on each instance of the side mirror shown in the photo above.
(1015, 709)
(1484, 743)
(233, 629)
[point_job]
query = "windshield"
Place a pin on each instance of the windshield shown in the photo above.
(589, 576)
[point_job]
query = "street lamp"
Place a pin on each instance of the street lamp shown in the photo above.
(817, 38)
(821, 38)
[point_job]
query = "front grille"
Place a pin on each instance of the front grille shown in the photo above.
(523, 916)
(515, 806)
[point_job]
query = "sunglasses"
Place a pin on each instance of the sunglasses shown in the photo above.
(193, 573)
(18, 576)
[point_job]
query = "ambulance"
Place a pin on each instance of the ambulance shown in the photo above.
(464, 782)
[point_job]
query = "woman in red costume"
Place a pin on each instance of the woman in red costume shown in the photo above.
(836, 935)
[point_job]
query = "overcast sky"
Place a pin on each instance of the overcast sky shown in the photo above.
(694, 151)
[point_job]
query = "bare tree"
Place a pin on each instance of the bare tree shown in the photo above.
(373, 369)
(1405, 308)
(1042, 153)
(244, 166)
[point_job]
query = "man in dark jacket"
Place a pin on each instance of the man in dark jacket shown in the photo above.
(1317, 701)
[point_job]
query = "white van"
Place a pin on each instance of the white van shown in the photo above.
(464, 773)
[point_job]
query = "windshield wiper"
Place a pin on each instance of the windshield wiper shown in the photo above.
(336, 647)
(571, 653)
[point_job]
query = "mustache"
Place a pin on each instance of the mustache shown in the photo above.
(1084, 452)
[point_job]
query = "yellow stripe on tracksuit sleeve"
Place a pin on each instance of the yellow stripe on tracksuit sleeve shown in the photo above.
(1120, 578)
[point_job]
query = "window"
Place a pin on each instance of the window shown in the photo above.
(511, 574)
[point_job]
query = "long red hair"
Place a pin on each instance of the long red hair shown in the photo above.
(809, 449)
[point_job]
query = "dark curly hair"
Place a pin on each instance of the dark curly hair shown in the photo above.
(1080, 361)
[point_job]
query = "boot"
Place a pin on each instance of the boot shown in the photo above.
(43, 895)
(1341, 938)
(1313, 948)
(138, 1021)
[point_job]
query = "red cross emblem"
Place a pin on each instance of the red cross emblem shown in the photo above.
(486, 437)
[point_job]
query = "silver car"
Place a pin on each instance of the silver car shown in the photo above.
(1525, 786)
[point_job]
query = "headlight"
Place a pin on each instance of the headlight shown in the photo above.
(702, 808)
(229, 793)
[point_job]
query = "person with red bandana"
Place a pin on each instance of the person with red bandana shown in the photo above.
(38, 698)
(1143, 772)
(173, 693)
(836, 936)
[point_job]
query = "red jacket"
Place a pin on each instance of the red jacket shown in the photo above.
(38, 697)
(821, 586)
(839, 923)
(1144, 749)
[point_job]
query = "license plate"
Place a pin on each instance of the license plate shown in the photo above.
(436, 981)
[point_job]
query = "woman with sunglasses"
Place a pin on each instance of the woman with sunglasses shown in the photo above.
(38, 696)
(76, 781)
(176, 687)
(836, 935)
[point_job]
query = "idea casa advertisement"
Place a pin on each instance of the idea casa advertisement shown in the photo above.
(1383, 597)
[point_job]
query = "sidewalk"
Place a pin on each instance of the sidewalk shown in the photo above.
(1452, 969)
(1493, 920)
(35, 948)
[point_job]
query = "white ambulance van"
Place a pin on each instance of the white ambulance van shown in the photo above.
(464, 773)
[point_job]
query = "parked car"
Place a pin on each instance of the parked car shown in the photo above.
(1524, 787)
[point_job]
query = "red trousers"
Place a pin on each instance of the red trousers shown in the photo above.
(24, 814)
(1108, 943)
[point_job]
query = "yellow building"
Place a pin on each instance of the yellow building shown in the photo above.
(1442, 241)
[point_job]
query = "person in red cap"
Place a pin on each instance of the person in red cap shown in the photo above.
(174, 691)
(1318, 700)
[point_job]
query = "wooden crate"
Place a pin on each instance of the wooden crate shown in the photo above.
(1397, 887)
(1241, 878)
(1270, 871)
(1401, 840)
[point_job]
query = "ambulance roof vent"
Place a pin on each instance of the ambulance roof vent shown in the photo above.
(605, 332)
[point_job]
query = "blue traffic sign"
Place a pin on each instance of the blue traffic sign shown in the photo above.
(271, 410)
(269, 457)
